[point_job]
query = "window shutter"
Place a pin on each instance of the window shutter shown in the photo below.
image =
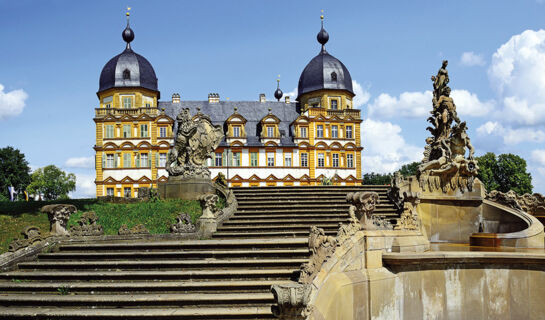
(103, 160)
(149, 160)
(116, 164)
(156, 159)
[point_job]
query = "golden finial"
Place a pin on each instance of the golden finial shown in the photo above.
(128, 11)
(322, 16)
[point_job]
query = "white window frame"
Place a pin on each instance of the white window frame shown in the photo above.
(254, 159)
(127, 102)
(321, 160)
(304, 132)
(270, 132)
(142, 131)
(109, 131)
(350, 160)
(319, 131)
(335, 160)
(219, 159)
(236, 131)
(110, 160)
(304, 159)
(162, 132)
(270, 159)
(162, 159)
(334, 131)
(348, 133)
(287, 159)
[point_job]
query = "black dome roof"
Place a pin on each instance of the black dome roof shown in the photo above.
(324, 71)
(128, 69)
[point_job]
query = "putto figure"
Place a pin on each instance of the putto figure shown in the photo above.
(196, 138)
(445, 165)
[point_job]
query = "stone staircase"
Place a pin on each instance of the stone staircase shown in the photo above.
(226, 277)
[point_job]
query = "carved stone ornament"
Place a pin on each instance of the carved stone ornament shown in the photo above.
(321, 248)
(183, 224)
(409, 217)
(58, 215)
(533, 204)
(196, 138)
(30, 235)
(87, 226)
(292, 301)
(137, 229)
(445, 166)
(363, 204)
(208, 204)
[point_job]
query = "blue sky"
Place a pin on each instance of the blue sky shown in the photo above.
(52, 53)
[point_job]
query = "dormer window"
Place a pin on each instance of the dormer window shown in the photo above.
(334, 76)
(126, 74)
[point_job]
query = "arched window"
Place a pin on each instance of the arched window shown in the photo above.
(333, 76)
(126, 74)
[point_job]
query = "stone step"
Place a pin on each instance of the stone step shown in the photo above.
(139, 300)
(279, 226)
(285, 221)
(301, 211)
(139, 286)
(166, 255)
(263, 216)
(276, 188)
(133, 275)
(75, 313)
(162, 264)
(298, 205)
(213, 244)
(269, 234)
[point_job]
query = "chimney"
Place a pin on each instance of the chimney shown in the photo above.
(262, 97)
(287, 99)
(175, 98)
(213, 97)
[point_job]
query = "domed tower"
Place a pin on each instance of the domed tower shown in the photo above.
(132, 135)
(329, 127)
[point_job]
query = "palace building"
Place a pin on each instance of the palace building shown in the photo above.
(267, 143)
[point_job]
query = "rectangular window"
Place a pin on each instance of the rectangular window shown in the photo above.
(334, 131)
(303, 132)
(236, 131)
(109, 161)
(162, 160)
(144, 160)
(253, 159)
(127, 102)
(336, 160)
(320, 131)
(236, 159)
(349, 132)
(137, 160)
(287, 159)
(126, 131)
(126, 160)
(108, 106)
(219, 158)
(127, 192)
(304, 159)
(321, 160)
(334, 105)
(350, 160)
(270, 132)
(270, 159)
(144, 130)
(110, 192)
(109, 131)
(162, 132)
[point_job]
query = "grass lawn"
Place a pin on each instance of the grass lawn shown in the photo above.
(157, 216)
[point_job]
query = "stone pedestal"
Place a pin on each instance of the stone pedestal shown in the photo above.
(187, 189)
(207, 227)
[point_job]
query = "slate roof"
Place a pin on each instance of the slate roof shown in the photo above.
(252, 111)
(317, 75)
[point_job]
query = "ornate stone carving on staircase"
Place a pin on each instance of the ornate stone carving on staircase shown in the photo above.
(445, 166)
(58, 215)
(31, 235)
(292, 301)
(394, 192)
(362, 206)
(87, 226)
(183, 224)
(208, 204)
(409, 217)
(321, 248)
(533, 204)
(196, 138)
(137, 229)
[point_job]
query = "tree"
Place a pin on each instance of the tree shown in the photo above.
(52, 183)
(409, 169)
(504, 172)
(376, 178)
(14, 170)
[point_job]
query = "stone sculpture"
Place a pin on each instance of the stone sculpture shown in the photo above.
(445, 165)
(362, 206)
(292, 301)
(196, 138)
(58, 215)
(533, 204)
(137, 229)
(409, 217)
(87, 226)
(30, 234)
(183, 224)
(321, 248)
(208, 203)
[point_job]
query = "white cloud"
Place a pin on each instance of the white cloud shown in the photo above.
(292, 94)
(385, 150)
(468, 104)
(511, 136)
(362, 96)
(11, 103)
(85, 186)
(516, 73)
(470, 59)
(538, 156)
(80, 162)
